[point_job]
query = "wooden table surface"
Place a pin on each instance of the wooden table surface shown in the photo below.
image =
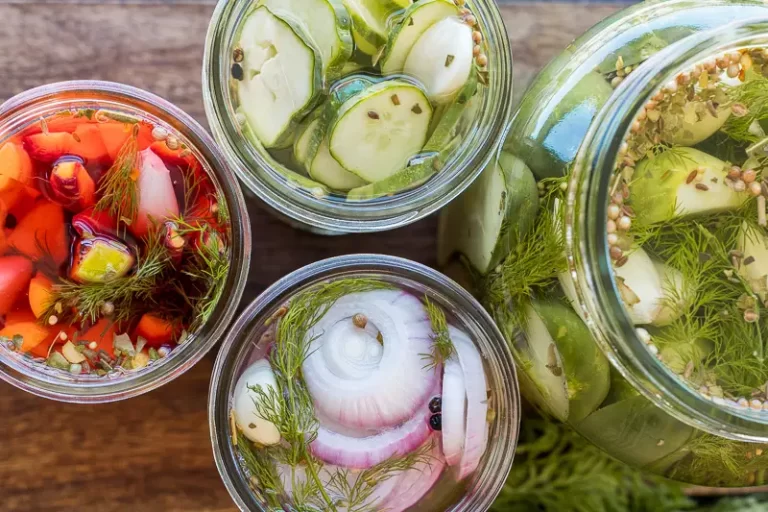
(153, 453)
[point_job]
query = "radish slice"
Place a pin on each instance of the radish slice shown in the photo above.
(416, 482)
(476, 430)
(253, 426)
(454, 412)
(157, 197)
(361, 382)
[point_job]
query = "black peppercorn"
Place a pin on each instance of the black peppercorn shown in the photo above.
(436, 404)
(436, 421)
(237, 71)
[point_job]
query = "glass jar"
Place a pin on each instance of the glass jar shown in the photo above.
(307, 204)
(250, 340)
(110, 101)
(586, 356)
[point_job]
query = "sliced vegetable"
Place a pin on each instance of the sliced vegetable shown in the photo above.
(325, 169)
(476, 386)
(562, 367)
(415, 21)
(49, 147)
(115, 135)
(15, 172)
(100, 259)
(42, 234)
(308, 137)
(416, 483)
(368, 24)
(454, 411)
(693, 124)
(155, 330)
(635, 431)
(377, 132)
(71, 354)
(15, 274)
(487, 220)
(258, 376)
(442, 59)
(40, 291)
(663, 186)
(357, 380)
(754, 245)
(72, 186)
(3, 217)
(56, 336)
(327, 22)
(27, 327)
(87, 143)
(282, 75)
(157, 197)
(90, 222)
(103, 333)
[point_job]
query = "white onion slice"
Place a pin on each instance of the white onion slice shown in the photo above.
(416, 482)
(353, 379)
(362, 452)
(454, 411)
(476, 431)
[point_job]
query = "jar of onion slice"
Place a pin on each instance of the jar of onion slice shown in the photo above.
(364, 382)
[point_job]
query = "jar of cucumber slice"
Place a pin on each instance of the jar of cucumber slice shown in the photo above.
(357, 115)
(622, 247)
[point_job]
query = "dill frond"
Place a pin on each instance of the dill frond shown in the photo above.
(260, 463)
(442, 346)
(118, 191)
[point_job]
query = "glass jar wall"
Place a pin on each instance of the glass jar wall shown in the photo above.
(615, 248)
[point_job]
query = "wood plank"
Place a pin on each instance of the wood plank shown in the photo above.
(153, 452)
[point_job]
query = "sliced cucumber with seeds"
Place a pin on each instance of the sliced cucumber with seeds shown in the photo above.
(442, 58)
(325, 169)
(416, 20)
(328, 24)
(377, 132)
(282, 75)
(487, 220)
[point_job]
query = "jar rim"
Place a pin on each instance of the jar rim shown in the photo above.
(586, 239)
(22, 109)
(236, 345)
(380, 214)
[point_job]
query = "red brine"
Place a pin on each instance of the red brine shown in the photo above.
(114, 242)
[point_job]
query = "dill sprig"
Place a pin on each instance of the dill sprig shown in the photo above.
(291, 408)
(355, 496)
(753, 94)
(261, 464)
(533, 264)
(73, 301)
(442, 346)
(118, 192)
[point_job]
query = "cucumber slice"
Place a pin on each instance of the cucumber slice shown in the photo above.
(486, 221)
(660, 192)
(282, 75)
(327, 22)
(635, 431)
(694, 124)
(377, 132)
(369, 27)
(754, 244)
(305, 140)
(620, 389)
(442, 59)
(411, 176)
(325, 169)
(416, 20)
(581, 365)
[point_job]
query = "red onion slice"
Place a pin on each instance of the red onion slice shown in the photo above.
(476, 431)
(359, 381)
(454, 412)
(415, 483)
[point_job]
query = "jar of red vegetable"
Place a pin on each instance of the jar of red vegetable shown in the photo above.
(124, 242)
(364, 382)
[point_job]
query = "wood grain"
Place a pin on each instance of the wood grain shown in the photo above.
(153, 453)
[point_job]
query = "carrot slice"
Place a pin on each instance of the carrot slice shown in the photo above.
(155, 330)
(175, 156)
(49, 147)
(144, 139)
(15, 172)
(114, 136)
(103, 333)
(25, 202)
(25, 325)
(3, 238)
(42, 231)
(40, 294)
(54, 337)
(89, 144)
(15, 273)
